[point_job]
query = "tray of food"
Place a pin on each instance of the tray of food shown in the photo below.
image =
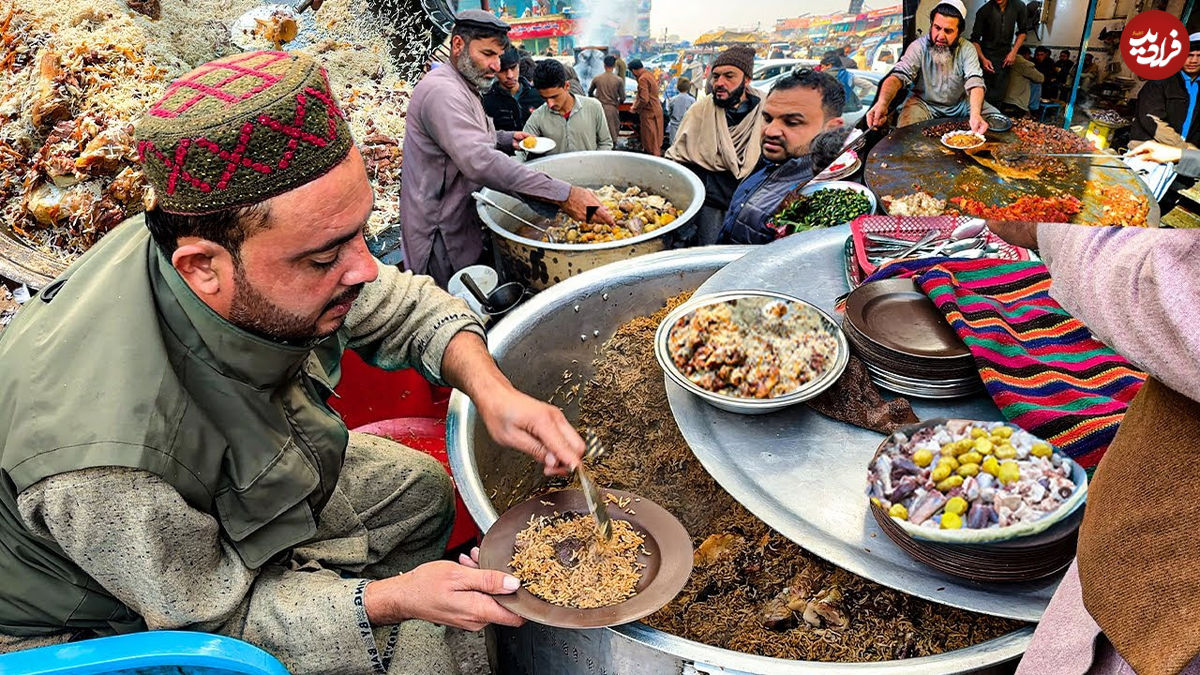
(572, 577)
(751, 352)
(820, 205)
(635, 211)
(963, 140)
(964, 482)
(1011, 176)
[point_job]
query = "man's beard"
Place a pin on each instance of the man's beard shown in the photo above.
(943, 55)
(735, 97)
(253, 312)
(481, 79)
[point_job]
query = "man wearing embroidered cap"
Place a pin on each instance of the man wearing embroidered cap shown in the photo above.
(168, 459)
(943, 71)
(452, 148)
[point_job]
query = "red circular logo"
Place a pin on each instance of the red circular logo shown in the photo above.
(1154, 45)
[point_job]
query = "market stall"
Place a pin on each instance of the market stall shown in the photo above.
(592, 337)
(1010, 166)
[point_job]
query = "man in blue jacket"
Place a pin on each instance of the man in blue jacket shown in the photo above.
(801, 106)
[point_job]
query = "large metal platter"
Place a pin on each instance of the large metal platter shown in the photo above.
(905, 158)
(805, 474)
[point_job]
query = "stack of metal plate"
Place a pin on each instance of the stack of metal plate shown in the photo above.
(906, 343)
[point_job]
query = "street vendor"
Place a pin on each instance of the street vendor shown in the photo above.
(1168, 110)
(168, 459)
(609, 89)
(1128, 603)
(720, 140)
(800, 106)
(451, 149)
(944, 73)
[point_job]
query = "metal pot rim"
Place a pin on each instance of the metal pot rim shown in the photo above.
(683, 218)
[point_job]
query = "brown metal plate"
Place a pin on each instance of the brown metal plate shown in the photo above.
(905, 159)
(667, 567)
(895, 313)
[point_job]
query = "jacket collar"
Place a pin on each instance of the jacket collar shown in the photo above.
(232, 351)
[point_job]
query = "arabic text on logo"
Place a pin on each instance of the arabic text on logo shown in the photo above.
(1154, 45)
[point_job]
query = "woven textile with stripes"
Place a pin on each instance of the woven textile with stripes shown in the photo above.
(1042, 367)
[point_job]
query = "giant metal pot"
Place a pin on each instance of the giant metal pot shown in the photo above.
(546, 347)
(541, 264)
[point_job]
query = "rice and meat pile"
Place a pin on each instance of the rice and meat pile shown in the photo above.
(76, 74)
(561, 560)
(751, 589)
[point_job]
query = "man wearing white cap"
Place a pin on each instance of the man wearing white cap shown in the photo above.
(1175, 101)
(944, 72)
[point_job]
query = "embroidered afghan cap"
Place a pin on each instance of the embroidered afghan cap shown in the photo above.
(239, 130)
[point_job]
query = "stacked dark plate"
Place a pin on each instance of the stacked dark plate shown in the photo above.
(1024, 559)
(906, 343)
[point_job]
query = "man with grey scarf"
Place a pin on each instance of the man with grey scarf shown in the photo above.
(943, 72)
(720, 140)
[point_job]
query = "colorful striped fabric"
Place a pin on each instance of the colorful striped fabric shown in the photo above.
(1042, 367)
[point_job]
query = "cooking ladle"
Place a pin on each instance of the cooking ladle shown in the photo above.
(476, 291)
(483, 199)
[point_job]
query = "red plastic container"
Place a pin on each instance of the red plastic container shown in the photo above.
(403, 406)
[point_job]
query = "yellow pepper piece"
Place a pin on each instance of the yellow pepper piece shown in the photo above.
(1003, 432)
(983, 446)
(990, 465)
(951, 521)
(976, 432)
(898, 511)
(666, 219)
(971, 469)
(1009, 473)
(1041, 450)
(950, 483)
(957, 506)
(970, 458)
(941, 472)
(922, 457)
(1006, 452)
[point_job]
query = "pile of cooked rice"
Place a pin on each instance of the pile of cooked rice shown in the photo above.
(561, 560)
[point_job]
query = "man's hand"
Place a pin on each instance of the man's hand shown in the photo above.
(987, 64)
(512, 418)
(877, 115)
(578, 203)
(538, 429)
(519, 136)
(444, 593)
(1158, 153)
(978, 125)
(1016, 232)
(1010, 57)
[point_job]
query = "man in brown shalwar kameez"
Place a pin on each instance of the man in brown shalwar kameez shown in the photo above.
(648, 107)
(167, 458)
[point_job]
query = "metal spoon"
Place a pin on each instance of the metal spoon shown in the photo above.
(591, 493)
(483, 199)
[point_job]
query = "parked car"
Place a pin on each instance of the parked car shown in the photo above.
(765, 69)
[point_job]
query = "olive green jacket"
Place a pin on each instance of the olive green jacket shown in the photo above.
(118, 363)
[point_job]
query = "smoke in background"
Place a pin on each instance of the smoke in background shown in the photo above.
(602, 20)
